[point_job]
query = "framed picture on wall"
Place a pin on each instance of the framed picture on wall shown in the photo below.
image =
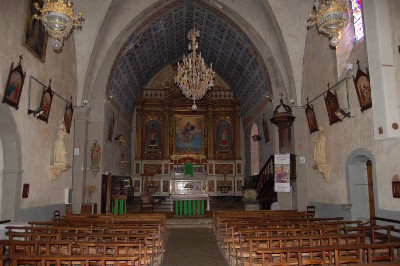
(69, 111)
(363, 88)
(35, 35)
(15, 82)
(312, 121)
(332, 105)
(45, 103)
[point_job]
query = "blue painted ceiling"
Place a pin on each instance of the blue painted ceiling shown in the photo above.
(162, 40)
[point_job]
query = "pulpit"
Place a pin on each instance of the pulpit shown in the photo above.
(119, 204)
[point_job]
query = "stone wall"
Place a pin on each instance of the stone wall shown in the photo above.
(36, 137)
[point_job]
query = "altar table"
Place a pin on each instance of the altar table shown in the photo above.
(189, 204)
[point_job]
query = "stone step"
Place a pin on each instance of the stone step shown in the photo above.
(189, 223)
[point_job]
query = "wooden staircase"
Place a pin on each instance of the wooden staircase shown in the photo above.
(265, 185)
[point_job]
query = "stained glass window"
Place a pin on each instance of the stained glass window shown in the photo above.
(358, 20)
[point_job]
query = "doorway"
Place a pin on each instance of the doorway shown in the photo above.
(360, 184)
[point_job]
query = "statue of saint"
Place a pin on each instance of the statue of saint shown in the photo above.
(319, 146)
(59, 146)
(95, 155)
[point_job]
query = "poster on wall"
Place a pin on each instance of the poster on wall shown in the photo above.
(282, 172)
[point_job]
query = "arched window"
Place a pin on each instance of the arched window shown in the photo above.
(357, 19)
(254, 151)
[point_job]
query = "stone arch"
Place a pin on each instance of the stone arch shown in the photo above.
(12, 162)
(357, 181)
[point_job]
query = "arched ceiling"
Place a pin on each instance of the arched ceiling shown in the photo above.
(162, 40)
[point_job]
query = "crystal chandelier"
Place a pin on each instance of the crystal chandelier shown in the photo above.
(58, 18)
(193, 77)
(329, 18)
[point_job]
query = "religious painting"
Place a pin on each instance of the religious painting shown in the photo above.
(69, 111)
(224, 134)
(152, 135)
(312, 121)
(35, 36)
(265, 129)
(15, 82)
(188, 134)
(45, 103)
(332, 105)
(95, 156)
(363, 88)
(136, 185)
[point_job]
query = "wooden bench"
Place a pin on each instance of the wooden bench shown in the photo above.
(321, 255)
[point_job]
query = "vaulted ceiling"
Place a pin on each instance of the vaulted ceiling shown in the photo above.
(162, 40)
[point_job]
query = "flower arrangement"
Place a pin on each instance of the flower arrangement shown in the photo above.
(90, 189)
(250, 196)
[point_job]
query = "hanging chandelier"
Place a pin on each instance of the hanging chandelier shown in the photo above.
(58, 19)
(193, 77)
(329, 18)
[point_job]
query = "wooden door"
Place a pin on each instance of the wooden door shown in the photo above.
(370, 190)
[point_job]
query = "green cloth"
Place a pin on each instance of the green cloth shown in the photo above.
(188, 168)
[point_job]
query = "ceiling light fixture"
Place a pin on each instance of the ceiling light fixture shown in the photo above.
(193, 77)
(329, 18)
(58, 18)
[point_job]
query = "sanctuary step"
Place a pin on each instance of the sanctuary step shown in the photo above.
(189, 223)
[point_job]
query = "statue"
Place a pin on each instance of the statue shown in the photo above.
(95, 156)
(319, 154)
(319, 146)
(59, 146)
(60, 161)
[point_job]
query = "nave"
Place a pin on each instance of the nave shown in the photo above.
(233, 237)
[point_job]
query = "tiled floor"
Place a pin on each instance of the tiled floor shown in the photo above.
(191, 247)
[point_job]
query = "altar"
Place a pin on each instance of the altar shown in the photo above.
(189, 204)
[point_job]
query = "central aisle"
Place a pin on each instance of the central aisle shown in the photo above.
(192, 246)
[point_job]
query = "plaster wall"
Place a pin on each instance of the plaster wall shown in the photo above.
(346, 136)
(37, 138)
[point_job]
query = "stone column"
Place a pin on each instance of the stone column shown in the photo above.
(139, 122)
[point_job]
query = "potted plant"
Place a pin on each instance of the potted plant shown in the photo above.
(250, 200)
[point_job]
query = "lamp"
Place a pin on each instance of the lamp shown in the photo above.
(341, 114)
(58, 18)
(329, 18)
(193, 77)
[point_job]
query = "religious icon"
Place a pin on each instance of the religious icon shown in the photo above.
(45, 103)
(152, 135)
(363, 88)
(312, 121)
(35, 37)
(332, 105)
(223, 135)
(95, 156)
(15, 82)
(69, 111)
(111, 129)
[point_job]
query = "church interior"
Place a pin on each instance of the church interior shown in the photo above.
(156, 105)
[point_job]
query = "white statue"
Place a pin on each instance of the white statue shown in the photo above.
(319, 146)
(59, 146)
